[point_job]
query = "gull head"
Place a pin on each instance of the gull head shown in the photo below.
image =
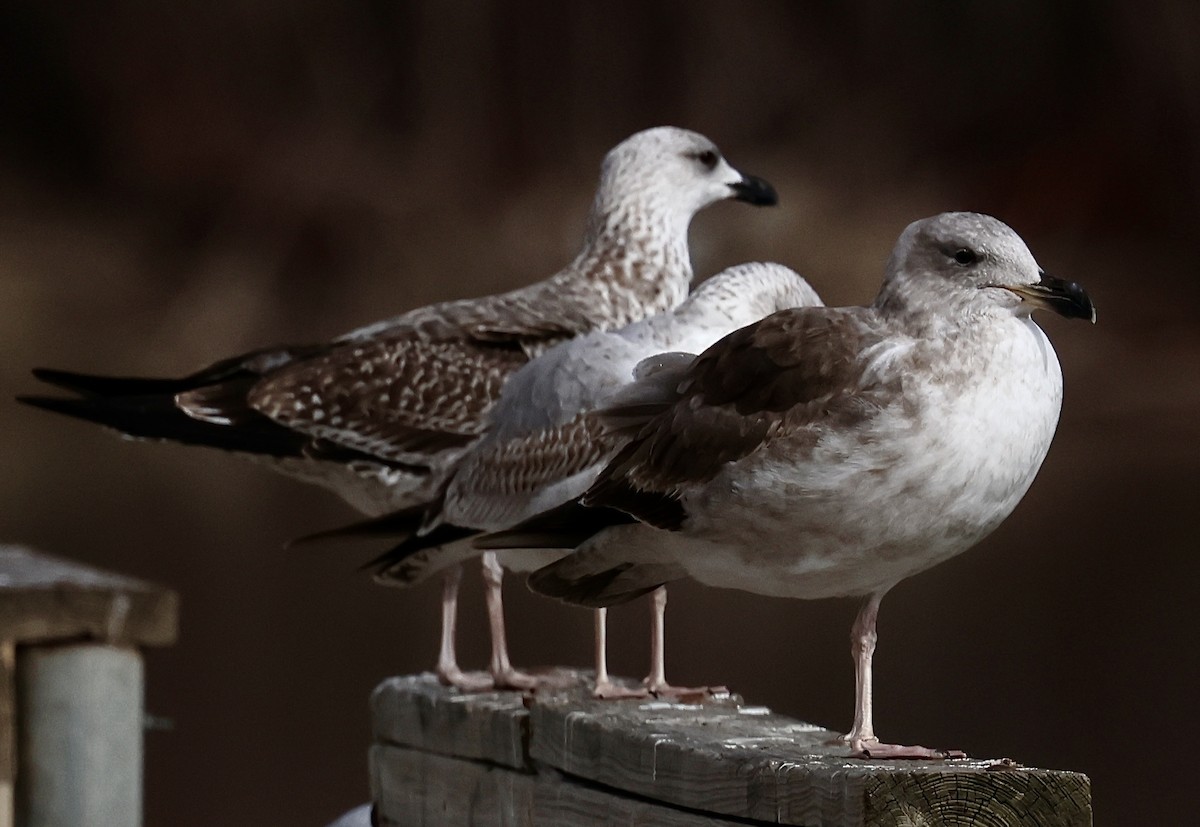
(962, 262)
(676, 169)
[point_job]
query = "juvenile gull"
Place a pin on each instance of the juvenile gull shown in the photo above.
(381, 414)
(543, 448)
(827, 452)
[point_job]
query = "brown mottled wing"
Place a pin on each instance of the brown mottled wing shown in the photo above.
(535, 320)
(498, 480)
(425, 382)
(393, 398)
(530, 316)
(793, 370)
(529, 330)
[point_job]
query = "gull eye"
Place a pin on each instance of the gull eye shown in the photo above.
(708, 158)
(964, 256)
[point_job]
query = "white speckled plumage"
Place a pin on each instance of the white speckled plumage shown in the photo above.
(416, 389)
(514, 471)
(381, 414)
(543, 448)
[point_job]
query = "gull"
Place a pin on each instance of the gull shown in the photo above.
(381, 414)
(543, 447)
(831, 452)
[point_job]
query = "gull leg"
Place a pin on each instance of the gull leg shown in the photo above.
(862, 739)
(448, 671)
(656, 681)
(600, 618)
(605, 689)
(862, 648)
(503, 673)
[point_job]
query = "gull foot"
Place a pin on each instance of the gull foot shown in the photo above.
(465, 681)
(687, 694)
(515, 679)
(875, 749)
(537, 681)
(606, 690)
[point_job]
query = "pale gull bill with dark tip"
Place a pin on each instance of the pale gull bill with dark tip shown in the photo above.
(381, 415)
(544, 448)
(833, 452)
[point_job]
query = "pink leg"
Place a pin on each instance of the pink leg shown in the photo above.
(505, 676)
(605, 689)
(448, 671)
(862, 739)
(656, 681)
(600, 618)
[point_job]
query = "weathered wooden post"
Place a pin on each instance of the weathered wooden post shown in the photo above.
(444, 758)
(71, 690)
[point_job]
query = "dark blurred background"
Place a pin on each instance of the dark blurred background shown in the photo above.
(183, 181)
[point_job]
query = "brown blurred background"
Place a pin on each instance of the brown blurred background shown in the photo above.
(182, 182)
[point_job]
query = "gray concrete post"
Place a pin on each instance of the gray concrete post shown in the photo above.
(79, 730)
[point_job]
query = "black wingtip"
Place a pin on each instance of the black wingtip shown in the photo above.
(59, 378)
(517, 538)
(399, 525)
(155, 417)
(100, 386)
(55, 404)
(566, 526)
(592, 591)
(87, 384)
(443, 535)
(128, 420)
